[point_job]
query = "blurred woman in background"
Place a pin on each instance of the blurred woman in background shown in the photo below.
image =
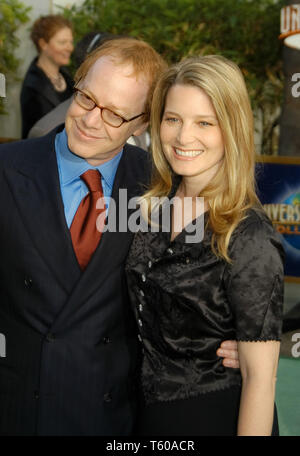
(46, 82)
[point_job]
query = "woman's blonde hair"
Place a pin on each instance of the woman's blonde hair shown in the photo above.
(232, 191)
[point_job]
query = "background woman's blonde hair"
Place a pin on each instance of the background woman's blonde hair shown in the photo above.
(232, 191)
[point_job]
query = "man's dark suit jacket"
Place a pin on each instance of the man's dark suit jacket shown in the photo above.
(71, 342)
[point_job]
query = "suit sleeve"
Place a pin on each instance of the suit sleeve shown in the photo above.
(254, 283)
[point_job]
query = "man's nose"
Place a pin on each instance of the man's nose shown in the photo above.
(93, 118)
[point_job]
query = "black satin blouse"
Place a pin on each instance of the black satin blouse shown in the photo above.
(187, 301)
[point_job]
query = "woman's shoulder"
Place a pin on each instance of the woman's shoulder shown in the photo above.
(255, 221)
(256, 232)
(35, 78)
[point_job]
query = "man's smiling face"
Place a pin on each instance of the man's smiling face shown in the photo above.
(113, 86)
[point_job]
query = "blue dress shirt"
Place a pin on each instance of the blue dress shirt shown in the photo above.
(70, 168)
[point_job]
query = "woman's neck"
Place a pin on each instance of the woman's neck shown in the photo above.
(188, 187)
(191, 189)
(48, 66)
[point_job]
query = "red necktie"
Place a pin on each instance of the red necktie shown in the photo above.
(84, 233)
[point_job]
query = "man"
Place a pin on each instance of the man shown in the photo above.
(57, 116)
(71, 343)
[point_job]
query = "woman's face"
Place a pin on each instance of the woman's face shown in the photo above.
(190, 134)
(59, 47)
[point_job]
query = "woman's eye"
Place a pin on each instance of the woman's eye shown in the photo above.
(171, 119)
(204, 124)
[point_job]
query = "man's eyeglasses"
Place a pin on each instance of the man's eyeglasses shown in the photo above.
(108, 116)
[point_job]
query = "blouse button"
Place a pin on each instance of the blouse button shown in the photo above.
(139, 338)
(150, 264)
(143, 277)
(140, 322)
(187, 260)
(107, 397)
(28, 282)
(140, 307)
(169, 250)
(50, 337)
(142, 293)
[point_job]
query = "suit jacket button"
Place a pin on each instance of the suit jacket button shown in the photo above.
(106, 340)
(107, 397)
(50, 337)
(28, 282)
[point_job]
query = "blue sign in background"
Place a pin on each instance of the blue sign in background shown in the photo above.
(279, 183)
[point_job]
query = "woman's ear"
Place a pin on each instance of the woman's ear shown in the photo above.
(42, 44)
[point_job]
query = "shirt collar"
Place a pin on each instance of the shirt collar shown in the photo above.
(71, 166)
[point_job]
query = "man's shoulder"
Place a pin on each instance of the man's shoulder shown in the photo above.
(133, 149)
(26, 149)
(10, 152)
(138, 161)
(138, 155)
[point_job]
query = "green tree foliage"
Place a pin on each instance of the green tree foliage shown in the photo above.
(12, 14)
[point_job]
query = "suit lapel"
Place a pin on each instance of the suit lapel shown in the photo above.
(36, 190)
(34, 184)
(110, 253)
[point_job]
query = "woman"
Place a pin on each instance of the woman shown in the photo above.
(46, 83)
(188, 297)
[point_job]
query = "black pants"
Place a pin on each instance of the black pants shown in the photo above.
(210, 414)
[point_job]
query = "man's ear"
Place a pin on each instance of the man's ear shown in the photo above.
(140, 129)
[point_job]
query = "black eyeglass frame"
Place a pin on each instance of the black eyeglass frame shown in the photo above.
(76, 89)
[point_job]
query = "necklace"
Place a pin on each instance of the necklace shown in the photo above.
(58, 81)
